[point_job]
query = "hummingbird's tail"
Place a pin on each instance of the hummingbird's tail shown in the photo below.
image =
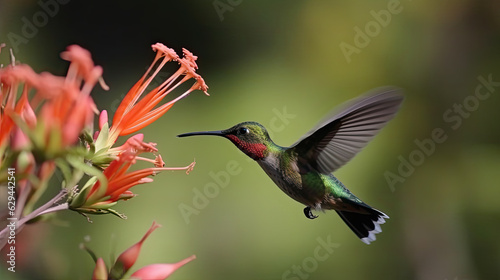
(364, 225)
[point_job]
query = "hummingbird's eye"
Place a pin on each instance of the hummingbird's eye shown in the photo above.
(243, 130)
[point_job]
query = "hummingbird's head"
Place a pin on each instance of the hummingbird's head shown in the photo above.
(250, 137)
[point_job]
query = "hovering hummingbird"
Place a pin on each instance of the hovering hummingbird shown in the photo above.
(303, 170)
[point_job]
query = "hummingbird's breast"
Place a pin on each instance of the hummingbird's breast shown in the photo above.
(284, 171)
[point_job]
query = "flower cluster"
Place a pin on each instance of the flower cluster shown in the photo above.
(47, 125)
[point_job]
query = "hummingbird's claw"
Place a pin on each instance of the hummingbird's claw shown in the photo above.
(309, 214)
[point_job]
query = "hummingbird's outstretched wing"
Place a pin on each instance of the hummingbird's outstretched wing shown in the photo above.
(337, 139)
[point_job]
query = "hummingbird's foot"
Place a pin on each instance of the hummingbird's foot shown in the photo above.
(309, 214)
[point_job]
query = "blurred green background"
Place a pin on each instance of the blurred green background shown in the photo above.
(285, 64)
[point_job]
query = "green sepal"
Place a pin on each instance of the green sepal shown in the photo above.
(102, 206)
(102, 138)
(95, 211)
(101, 157)
(117, 270)
(79, 199)
(93, 171)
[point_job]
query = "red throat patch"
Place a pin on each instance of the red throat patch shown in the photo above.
(253, 150)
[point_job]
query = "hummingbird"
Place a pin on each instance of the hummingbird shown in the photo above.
(304, 170)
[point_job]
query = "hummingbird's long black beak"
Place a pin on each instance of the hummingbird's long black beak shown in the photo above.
(216, 133)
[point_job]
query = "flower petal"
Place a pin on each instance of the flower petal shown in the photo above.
(160, 270)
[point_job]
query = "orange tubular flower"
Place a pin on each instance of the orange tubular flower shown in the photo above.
(64, 106)
(134, 114)
(11, 78)
(97, 198)
(112, 179)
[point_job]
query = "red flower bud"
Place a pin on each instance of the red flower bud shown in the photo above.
(159, 271)
(126, 259)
